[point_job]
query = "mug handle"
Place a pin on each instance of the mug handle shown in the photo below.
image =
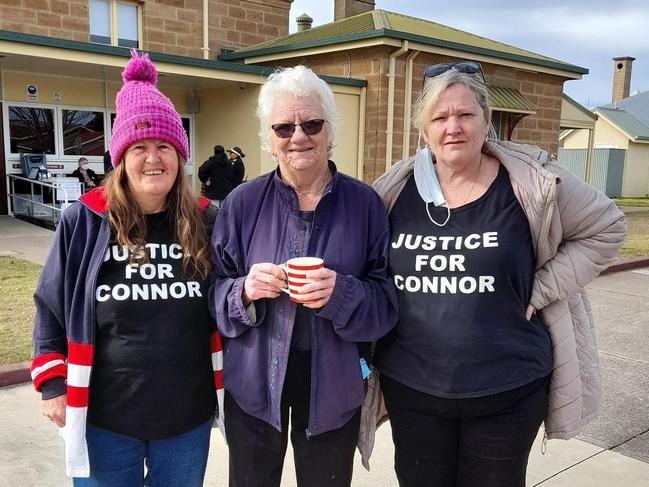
(284, 267)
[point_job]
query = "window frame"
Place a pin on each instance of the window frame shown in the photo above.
(114, 21)
(61, 142)
(5, 121)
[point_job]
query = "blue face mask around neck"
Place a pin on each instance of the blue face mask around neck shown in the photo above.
(427, 183)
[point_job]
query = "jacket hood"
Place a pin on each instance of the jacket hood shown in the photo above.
(221, 159)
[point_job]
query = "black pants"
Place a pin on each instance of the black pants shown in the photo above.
(257, 450)
(482, 441)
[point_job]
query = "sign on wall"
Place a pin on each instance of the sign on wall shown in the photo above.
(32, 92)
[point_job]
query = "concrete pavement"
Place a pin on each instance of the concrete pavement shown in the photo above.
(24, 240)
(612, 451)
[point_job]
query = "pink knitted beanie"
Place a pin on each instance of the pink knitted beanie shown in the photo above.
(143, 112)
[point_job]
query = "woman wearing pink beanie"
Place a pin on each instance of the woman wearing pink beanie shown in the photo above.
(126, 355)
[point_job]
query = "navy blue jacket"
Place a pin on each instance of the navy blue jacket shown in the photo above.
(64, 327)
(350, 232)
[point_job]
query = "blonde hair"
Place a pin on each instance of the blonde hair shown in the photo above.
(128, 225)
(435, 86)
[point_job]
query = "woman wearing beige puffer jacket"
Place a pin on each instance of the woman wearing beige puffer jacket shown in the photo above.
(492, 245)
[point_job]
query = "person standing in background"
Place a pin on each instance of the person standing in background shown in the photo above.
(216, 174)
(86, 175)
(108, 165)
(236, 156)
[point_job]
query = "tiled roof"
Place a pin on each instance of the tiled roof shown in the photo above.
(381, 23)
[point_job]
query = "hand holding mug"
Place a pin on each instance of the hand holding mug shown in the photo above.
(265, 280)
(316, 294)
(310, 283)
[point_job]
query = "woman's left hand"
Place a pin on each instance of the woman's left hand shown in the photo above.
(529, 312)
(318, 291)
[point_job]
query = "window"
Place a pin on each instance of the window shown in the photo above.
(31, 129)
(115, 23)
(83, 132)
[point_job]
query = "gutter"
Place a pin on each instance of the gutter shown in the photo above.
(206, 30)
(407, 105)
(390, 122)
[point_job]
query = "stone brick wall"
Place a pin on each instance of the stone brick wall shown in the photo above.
(169, 26)
(64, 19)
(240, 23)
(372, 64)
(176, 26)
(544, 91)
(348, 8)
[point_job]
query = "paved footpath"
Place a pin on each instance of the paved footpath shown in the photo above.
(613, 451)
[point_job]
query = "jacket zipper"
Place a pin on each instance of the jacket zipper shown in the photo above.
(93, 304)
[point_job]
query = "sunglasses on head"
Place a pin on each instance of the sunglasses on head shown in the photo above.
(467, 67)
(286, 130)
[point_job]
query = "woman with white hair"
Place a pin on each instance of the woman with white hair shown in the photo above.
(282, 356)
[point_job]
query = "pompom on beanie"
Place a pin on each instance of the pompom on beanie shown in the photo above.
(143, 112)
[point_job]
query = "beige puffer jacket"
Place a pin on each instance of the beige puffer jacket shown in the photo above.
(576, 232)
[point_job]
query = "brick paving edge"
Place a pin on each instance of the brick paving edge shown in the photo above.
(13, 374)
(627, 265)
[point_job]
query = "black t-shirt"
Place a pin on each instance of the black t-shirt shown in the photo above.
(304, 317)
(463, 290)
(152, 375)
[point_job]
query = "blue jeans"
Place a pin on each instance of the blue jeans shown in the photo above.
(118, 460)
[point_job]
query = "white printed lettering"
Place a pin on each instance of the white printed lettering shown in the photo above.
(194, 289)
(102, 293)
(148, 271)
(175, 251)
(490, 239)
(159, 291)
(177, 290)
(164, 270)
(487, 284)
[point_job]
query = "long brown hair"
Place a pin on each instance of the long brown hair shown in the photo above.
(128, 224)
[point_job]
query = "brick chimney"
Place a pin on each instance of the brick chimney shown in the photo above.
(347, 8)
(303, 22)
(621, 77)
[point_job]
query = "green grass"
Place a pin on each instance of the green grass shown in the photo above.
(17, 283)
(637, 240)
(644, 202)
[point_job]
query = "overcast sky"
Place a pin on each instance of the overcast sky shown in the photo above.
(587, 33)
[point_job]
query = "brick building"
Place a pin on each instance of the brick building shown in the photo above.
(163, 26)
(390, 51)
(60, 65)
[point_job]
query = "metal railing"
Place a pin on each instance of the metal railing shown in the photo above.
(55, 209)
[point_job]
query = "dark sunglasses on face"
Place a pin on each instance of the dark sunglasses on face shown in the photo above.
(286, 130)
(467, 67)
